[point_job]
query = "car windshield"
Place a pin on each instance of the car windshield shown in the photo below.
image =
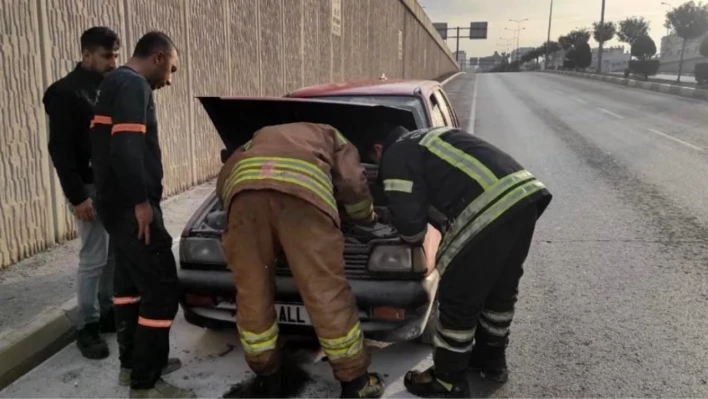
(410, 103)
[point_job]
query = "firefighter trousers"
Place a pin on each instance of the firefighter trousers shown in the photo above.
(263, 225)
(146, 294)
(478, 291)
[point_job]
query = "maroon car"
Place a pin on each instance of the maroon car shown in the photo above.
(395, 285)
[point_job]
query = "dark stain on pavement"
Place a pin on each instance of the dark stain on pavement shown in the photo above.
(294, 381)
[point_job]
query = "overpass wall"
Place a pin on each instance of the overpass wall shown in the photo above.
(228, 47)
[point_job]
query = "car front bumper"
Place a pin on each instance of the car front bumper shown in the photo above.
(389, 310)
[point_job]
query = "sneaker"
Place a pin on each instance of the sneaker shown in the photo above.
(370, 385)
(90, 342)
(427, 385)
(173, 364)
(162, 389)
(108, 322)
(490, 362)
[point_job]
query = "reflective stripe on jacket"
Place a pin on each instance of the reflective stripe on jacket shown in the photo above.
(314, 162)
(453, 173)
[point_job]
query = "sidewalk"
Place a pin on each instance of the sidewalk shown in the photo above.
(38, 294)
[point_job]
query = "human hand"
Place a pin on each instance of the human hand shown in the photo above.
(84, 211)
(143, 214)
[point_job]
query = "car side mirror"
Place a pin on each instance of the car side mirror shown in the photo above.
(224, 155)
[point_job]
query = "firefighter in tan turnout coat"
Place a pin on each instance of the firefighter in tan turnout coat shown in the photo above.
(279, 194)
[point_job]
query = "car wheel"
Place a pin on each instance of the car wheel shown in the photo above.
(430, 326)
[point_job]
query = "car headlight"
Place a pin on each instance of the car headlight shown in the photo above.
(201, 250)
(391, 258)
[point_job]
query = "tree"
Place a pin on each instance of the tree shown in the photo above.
(565, 42)
(603, 32)
(579, 36)
(690, 21)
(643, 48)
(583, 55)
(632, 28)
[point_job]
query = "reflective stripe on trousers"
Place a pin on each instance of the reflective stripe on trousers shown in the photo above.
(289, 170)
(459, 341)
(465, 228)
(350, 345)
(254, 343)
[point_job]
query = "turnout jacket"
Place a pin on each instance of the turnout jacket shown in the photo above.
(69, 104)
(451, 172)
(311, 161)
(127, 159)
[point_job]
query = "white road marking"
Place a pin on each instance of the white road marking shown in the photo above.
(677, 140)
(608, 112)
(581, 101)
(473, 113)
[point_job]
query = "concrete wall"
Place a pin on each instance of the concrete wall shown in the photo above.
(228, 47)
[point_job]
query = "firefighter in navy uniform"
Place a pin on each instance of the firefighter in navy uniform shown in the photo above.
(128, 172)
(491, 204)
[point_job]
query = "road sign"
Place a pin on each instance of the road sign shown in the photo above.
(478, 30)
(441, 27)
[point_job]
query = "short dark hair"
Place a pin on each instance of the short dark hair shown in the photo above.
(151, 42)
(99, 36)
(392, 136)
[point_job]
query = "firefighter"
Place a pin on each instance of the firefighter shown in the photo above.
(279, 193)
(69, 104)
(491, 204)
(128, 173)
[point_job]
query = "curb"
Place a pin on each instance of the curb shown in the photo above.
(448, 80)
(682, 91)
(24, 348)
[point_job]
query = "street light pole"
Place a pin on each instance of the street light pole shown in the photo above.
(548, 40)
(599, 51)
(518, 30)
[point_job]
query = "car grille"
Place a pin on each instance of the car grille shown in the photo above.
(356, 258)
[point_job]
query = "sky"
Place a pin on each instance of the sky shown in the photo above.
(567, 15)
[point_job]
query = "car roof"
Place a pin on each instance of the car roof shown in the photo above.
(368, 87)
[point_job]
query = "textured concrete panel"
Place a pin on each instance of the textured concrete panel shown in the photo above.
(210, 63)
(293, 32)
(271, 28)
(355, 21)
(244, 47)
(311, 45)
(173, 103)
(227, 47)
(25, 193)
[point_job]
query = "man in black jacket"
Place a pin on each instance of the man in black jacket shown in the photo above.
(491, 204)
(69, 104)
(128, 168)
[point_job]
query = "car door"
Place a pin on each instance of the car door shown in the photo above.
(445, 108)
(438, 116)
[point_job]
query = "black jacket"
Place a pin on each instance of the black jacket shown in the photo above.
(126, 149)
(69, 104)
(444, 171)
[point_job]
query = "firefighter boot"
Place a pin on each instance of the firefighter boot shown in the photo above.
(370, 385)
(173, 364)
(490, 361)
(90, 342)
(162, 389)
(427, 385)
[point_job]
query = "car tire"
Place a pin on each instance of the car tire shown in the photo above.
(431, 325)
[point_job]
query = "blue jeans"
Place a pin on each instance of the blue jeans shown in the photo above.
(95, 274)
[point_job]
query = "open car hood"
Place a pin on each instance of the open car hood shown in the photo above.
(236, 118)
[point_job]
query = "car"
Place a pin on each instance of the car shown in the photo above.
(395, 285)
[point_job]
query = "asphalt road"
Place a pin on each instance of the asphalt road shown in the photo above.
(613, 300)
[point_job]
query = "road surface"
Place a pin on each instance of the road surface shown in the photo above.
(613, 300)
